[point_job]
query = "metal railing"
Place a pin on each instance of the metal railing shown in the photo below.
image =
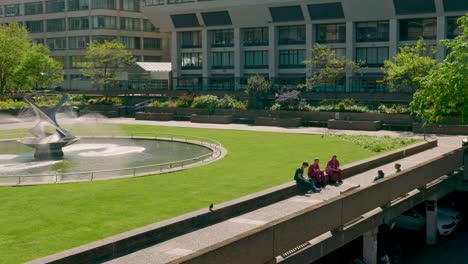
(159, 168)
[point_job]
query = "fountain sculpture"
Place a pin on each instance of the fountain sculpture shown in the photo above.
(47, 145)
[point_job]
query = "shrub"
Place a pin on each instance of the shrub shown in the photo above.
(158, 104)
(106, 101)
(258, 89)
(229, 102)
(288, 100)
(394, 109)
(12, 104)
(209, 102)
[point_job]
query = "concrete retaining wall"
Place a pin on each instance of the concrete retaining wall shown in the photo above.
(271, 121)
(154, 116)
(354, 125)
(441, 129)
(215, 119)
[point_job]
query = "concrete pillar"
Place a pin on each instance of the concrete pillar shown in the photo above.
(393, 38)
(369, 247)
(175, 55)
(206, 44)
(238, 65)
(272, 52)
(350, 40)
(441, 34)
(431, 222)
(309, 45)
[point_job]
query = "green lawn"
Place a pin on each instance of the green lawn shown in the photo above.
(41, 220)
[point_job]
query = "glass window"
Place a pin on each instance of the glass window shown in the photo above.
(191, 39)
(1, 11)
(78, 23)
(12, 10)
(372, 31)
(55, 6)
(288, 35)
(34, 26)
(148, 26)
(130, 5)
(33, 8)
(413, 29)
(191, 60)
(152, 58)
(56, 43)
(223, 60)
(453, 30)
(38, 41)
(77, 61)
(152, 43)
(256, 59)
(74, 5)
(131, 42)
(55, 25)
(61, 59)
(292, 58)
(340, 53)
(127, 23)
(372, 57)
(222, 38)
(255, 36)
(102, 38)
(331, 33)
(107, 22)
(103, 4)
(79, 42)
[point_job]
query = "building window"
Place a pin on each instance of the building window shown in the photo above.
(33, 8)
(104, 22)
(222, 38)
(191, 39)
(223, 60)
(453, 29)
(257, 59)
(55, 6)
(331, 33)
(152, 58)
(148, 27)
(413, 29)
(340, 53)
(130, 5)
(1, 11)
(102, 38)
(130, 42)
(290, 35)
(78, 23)
(372, 31)
(55, 25)
(372, 57)
(56, 43)
(77, 61)
(78, 42)
(38, 41)
(292, 58)
(103, 4)
(74, 5)
(34, 26)
(191, 60)
(12, 10)
(127, 23)
(255, 36)
(152, 43)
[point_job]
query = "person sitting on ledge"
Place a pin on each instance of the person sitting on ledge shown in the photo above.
(397, 167)
(380, 175)
(317, 174)
(303, 184)
(333, 170)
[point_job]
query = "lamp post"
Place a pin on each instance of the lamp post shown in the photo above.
(465, 158)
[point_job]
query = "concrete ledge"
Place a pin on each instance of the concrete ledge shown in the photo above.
(154, 116)
(215, 119)
(108, 114)
(354, 125)
(441, 129)
(281, 122)
(125, 243)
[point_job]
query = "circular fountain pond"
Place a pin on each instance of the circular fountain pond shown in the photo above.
(102, 158)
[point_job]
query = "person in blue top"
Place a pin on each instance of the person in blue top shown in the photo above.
(303, 184)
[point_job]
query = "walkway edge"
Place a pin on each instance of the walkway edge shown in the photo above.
(139, 238)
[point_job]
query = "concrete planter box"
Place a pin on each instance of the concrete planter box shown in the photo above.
(108, 114)
(154, 116)
(271, 121)
(215, 119)
(441, 129)
(354, 125)
(100, 108)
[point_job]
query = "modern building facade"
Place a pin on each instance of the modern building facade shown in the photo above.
(218, 44)
(66, 26)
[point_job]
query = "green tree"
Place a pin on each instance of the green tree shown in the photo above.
(14, 42)
(408, 66)
(444, 90)
(38, 69)
(258, 90)
(105, 59)
(327, 68)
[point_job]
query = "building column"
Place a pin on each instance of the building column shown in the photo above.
(441, 34)
(369, 246)
(350, 40)
(237, 58)
(393, 38)
(309, 45)
(206, 57)
(272, 52)
(175, 59)
(431, 222)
